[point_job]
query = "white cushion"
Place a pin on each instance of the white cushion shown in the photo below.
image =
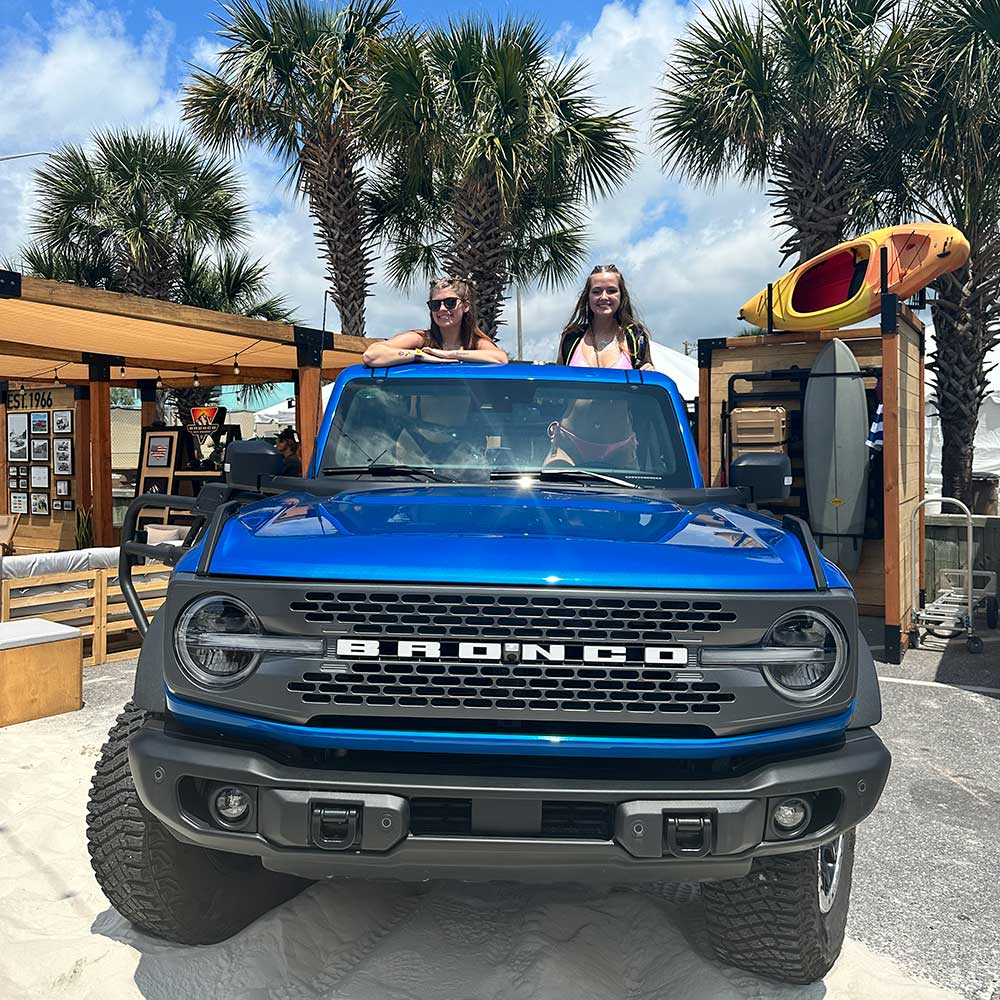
(33, 632)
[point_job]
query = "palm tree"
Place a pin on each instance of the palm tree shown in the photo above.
(120, 215)
(945, 166)
(289, 80)
(782, 94)
(232, 283)
(491, 150)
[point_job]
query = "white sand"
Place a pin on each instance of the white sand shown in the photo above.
(347, 939)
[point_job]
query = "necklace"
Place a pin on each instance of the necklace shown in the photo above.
(597, 350)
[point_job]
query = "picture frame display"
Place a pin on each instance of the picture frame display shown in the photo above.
(62, 487)
(39, 449)
(62, 421)
(63, 459)
(39, 477)
(19, 503)
(40, 422)
(22, 484)
(57, 505)
(40, 503)
(68, 504)
(22, 470)
(159, 450)
(17, 437)
(12, 484)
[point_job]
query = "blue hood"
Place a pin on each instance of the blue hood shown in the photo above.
(500, 534)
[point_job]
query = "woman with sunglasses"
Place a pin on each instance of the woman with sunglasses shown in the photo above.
(603, 331)
(453, 334)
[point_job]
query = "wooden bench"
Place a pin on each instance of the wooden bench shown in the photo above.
(40, 670)
(89, 600)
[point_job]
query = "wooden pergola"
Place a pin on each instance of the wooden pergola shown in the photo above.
(56, 333)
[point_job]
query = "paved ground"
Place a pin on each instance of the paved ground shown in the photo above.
(925, 890)
(929, 861)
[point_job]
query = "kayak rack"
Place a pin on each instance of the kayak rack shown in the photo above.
(954, 609)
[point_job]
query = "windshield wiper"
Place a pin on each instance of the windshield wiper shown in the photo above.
(412, 471)
(566, 476)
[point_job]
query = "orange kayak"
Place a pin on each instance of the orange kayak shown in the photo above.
(843, 285)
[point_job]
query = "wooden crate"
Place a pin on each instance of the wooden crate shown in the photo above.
(883, 581)
(40, 679)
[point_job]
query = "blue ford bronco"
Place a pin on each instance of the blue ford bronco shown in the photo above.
(500, 630)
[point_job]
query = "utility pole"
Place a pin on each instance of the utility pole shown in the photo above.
(688, 347)
(520, 343)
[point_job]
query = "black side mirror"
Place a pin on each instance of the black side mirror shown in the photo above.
(767, 475)
(247, 462)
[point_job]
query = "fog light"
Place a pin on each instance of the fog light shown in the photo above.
(232, 804)
(790, 814)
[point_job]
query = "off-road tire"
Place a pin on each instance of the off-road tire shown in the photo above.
(770, 922)
(168, 889)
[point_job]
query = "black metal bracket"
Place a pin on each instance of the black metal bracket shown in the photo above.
(10, 285)
(81, 393)
(797, 527)
(147, 390)
(705, 348)
(309, 346)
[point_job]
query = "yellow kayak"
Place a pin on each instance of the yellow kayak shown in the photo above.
(843, 285)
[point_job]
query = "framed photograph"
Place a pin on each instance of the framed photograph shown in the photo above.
(17, 437)
(22, 484)
(39, 423)
(159, 451)
(12, 484)
(63, 463)
(39, 477)
(39, 503)
(19, 503)
(39, 449)
(62, 421)
(22, 470)
(67, 504)
(62, 487)
(156, 484)
(57, 504)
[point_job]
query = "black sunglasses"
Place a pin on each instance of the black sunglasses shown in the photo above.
(449, 303)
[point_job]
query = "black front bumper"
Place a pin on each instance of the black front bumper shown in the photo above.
(318, 823)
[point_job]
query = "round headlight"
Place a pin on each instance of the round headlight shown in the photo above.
(823, 659)
(216, 640)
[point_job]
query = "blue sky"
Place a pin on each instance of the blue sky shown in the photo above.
(692, 256)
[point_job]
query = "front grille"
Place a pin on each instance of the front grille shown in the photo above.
(553, 618)
(480, 688)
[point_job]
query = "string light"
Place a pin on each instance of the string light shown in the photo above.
(197, 381)
(236, 364)
(159, 379)
(55, 378)
(122, 371)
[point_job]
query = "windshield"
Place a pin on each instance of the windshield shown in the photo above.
(471, 430)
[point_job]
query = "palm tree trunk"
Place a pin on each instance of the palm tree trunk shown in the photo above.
(478, 248)
(811, 192)
(966, 318)
(335, 186)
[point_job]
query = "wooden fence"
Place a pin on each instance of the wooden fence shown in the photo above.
(92, 601)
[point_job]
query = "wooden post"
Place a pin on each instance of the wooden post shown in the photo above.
(147, 399)
(5, 505)
(100, 445)
(309, 346)
(81, 445)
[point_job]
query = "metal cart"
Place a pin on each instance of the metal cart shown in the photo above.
(960, 591)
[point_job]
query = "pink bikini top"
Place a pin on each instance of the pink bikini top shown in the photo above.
(579, 361)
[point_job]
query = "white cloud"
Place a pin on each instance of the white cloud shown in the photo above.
(691, 256)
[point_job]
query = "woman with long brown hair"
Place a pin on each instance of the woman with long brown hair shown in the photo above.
(603, 331)
(453, 333)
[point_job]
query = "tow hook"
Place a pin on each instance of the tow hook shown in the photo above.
(688, 836)
(335, 828)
